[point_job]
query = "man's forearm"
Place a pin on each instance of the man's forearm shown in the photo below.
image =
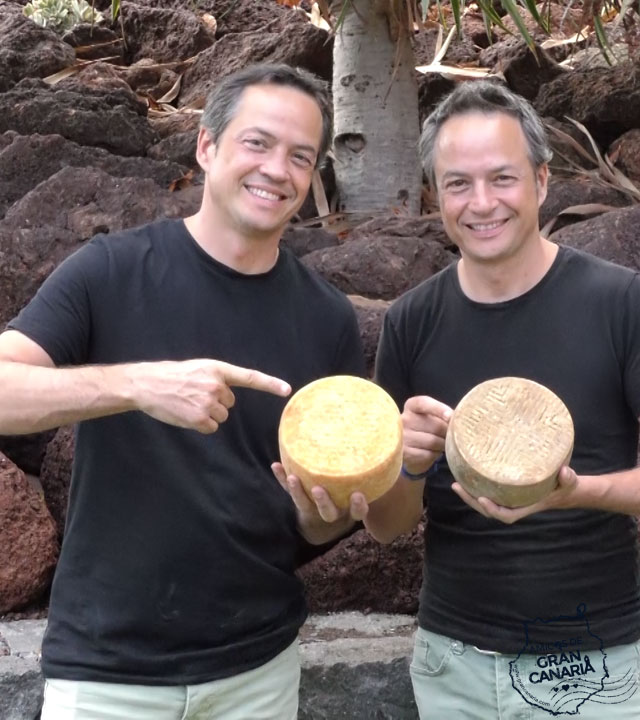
(614, 492)
(35, 398)
(397, 511)
(318, 532)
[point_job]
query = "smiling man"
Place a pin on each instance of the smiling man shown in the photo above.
(175, 596)
(527, 612)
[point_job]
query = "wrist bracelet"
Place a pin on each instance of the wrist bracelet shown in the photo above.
(413, 476)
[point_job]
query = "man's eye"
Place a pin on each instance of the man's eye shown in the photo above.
(458, 184)
(303, 160)
(255, 142)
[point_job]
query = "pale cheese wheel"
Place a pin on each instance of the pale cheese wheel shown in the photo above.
(507, 440)
(343, 433)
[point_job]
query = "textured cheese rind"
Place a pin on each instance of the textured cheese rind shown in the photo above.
(507, 440)
(343, 433)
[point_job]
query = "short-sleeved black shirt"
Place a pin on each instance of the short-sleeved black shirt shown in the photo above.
(178, 561)
(578, 333)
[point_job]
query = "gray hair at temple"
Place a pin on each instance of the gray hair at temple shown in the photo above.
(484, 96)
(222, 102)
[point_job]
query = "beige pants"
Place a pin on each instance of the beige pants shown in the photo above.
(269, 692)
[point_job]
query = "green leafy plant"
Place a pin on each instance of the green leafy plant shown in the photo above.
(61, 15)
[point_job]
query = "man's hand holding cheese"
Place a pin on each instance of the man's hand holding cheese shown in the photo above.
(320, 520)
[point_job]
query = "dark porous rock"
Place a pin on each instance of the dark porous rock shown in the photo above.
(93, 42)
(238, 16)
(28, 540)
(28, 160)
(171, 123)
(370, 315)
(565, 193)
(370, 691)
(617, 108)
(179, 148)
(385, 257)
(564, 21)
(150, 79)
(566, 158)
(302, 241)
(55, 476)
(102, 78)
(432, 88)
(145, 29)
(626, 151)
(66, 210)
(111, 120)
(26, 451)
(361, 574)
(462, 49)
(301, 45)
(612, 236)
(523, 71)
(28, 50)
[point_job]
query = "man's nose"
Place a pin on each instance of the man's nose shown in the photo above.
(483, 199)
(275, 165)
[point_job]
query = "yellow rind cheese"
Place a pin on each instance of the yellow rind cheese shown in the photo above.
(507, 440)
(343, 433)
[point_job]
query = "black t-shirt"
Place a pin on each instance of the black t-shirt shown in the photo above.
(578, 333)
(178, 561)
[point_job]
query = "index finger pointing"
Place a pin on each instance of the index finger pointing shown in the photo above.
(426, 405)
(246, 377)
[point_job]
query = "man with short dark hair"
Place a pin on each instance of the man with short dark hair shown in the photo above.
(175, 595)
(526, 612)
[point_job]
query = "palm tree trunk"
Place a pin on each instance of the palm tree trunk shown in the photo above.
(375, 98)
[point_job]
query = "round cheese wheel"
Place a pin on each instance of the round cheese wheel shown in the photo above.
(344, 434)
(507, 440)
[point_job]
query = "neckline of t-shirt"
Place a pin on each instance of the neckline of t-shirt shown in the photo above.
(558, 261)
(220, 268)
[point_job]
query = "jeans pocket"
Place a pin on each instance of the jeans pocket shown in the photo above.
(431, 655)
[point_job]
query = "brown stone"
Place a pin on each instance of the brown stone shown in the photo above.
(113, 120)
(28, 50)
(361, 574)
(626, 151)
(385, 257)
(299, 44)
(612, 236)
(524, 72)
(28, 543)
(370, 315)
(565, 193)
(146, 31)
(26, 451)
(302, 241)
(616, 89)
(26, 161)
(66, 210)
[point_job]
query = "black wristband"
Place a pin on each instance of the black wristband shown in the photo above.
(413, 476)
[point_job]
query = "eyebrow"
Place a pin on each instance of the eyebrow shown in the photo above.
(271, 136)
(460, 173)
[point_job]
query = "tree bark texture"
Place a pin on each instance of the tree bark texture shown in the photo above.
(375, 99)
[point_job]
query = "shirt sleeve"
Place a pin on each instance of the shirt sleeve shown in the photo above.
(58, 318)
(391, 367)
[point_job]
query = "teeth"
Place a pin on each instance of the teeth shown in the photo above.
(263, 194)
(486, 226)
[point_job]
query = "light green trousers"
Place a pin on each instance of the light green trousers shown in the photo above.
(269, 692)
(455, 681)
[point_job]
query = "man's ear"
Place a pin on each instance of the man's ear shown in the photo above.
(542, 181)
(205, 149)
